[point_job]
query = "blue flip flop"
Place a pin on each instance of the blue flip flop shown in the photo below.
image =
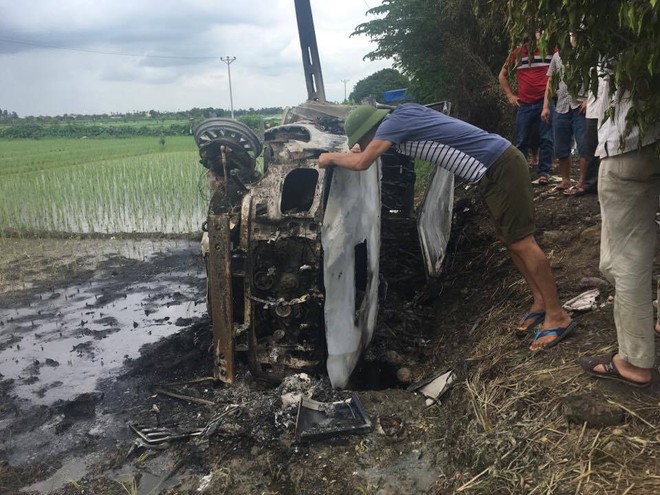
(537, 318)
(560, 332)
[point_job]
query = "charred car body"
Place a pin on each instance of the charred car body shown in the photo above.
(292, 250)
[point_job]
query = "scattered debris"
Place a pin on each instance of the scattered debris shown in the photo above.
(391, 427)
(321, 420)
(586, 301)
(205, 482)
(189, 398)
(158, 435)
(404, 375)
(293, 387)
(435, 387)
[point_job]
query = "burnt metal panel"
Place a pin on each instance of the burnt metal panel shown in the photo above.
(434, 220)
(221, 296)
(351, 247)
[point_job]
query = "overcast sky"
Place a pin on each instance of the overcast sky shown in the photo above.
(102, 56)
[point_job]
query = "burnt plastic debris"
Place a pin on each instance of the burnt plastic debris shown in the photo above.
(322, 420)
(435, 386)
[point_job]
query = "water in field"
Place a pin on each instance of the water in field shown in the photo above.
(61, 342)
(159, 192)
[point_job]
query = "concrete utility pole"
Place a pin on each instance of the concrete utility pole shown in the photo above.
(228, 60)
(344, 81)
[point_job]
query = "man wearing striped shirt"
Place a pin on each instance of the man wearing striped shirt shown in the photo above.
(488, 160)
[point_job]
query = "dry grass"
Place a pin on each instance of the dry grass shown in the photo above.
(521, 442)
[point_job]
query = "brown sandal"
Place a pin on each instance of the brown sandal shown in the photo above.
(588, 364)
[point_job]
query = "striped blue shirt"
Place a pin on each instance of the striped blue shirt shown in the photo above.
(425, 134)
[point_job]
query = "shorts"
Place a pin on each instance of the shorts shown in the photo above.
(506, 188)
(567, 126)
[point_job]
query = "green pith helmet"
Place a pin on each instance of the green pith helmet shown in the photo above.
(362, 120)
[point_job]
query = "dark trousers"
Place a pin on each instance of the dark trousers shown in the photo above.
(593, 163)
(525, 117)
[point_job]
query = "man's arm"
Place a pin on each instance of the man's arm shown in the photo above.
(356, 161)
(506, 87)
(545, 113)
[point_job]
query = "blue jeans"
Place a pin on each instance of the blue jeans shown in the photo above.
(527, 112)
(568, 126)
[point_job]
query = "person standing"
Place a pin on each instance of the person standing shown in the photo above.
(502, 177)
(569, 123)
(628, 189)
(532, 78)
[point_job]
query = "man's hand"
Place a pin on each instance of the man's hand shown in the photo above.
(324, 160)
(513, 100)
(503, 78)
(545, 115)
(355, 159)
(583, 106)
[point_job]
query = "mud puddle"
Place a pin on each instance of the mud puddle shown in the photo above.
(64, 343)
(59, 345)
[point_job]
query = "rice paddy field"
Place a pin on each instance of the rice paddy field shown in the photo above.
(108, 186)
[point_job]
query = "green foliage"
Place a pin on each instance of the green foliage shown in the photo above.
(621, 37)
(377, 83)
(32, 130)
(253, 120)
(447, 52)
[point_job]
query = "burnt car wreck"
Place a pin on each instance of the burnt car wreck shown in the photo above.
(293, 251)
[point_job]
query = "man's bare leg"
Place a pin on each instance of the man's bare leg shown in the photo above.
(538, 269)
(627, 370)
(565, 172)
(583, 173)
(538, 304)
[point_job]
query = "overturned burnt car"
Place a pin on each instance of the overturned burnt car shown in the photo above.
(292, 250)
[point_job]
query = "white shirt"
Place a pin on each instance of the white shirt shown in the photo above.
(596, 104)
(611, 129)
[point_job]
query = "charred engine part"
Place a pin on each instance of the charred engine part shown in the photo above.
(282, 236)
(287, 330)
(230, 149)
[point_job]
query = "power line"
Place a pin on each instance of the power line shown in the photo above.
(98, 52)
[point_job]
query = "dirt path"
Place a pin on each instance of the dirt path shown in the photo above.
(513, 424)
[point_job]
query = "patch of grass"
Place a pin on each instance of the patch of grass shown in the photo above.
(129, 486)
(423, 172)
(103, 185)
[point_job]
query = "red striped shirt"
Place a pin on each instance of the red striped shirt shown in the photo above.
(532, 78)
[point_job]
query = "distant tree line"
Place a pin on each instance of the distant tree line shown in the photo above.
(377, 83)
(32, 130)
(6, 115)
(154, 123)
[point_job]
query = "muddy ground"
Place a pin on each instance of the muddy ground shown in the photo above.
(94, 334)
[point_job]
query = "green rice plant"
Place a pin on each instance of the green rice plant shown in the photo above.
(133, 186)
